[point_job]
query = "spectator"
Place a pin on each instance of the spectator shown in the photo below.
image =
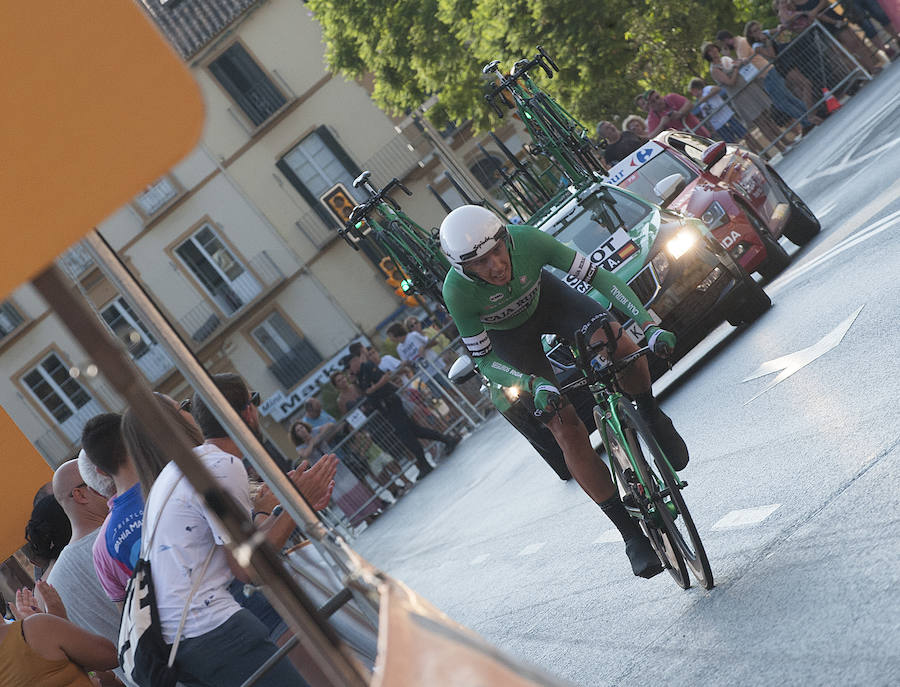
(749, 102)
(317, 418)
(640, 101)
(222, 643)
(351, 491)
(797, 16)
(73, 576)
(712, 105)
(636, 125)
(671, 112)
(764, 47)
(118, 544)
(44, 649)
(102, 484)
(867, 10)
(349, 395)
(749, 61)
(619, 144)
(47, 532)
(387, 363)
(378, 388)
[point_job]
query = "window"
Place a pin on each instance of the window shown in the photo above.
(61, 395)
(247, 84)
(293, 357)
(10, 319)
(316, 164)
(218, 270)
(137, 339)
(156, 197)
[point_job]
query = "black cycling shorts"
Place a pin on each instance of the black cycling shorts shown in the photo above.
(561, 310)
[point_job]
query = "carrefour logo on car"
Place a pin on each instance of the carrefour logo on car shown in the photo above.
(636, 159)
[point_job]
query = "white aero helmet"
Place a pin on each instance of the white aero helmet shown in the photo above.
(469, 232)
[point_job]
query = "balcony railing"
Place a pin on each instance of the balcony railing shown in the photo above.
(295, 365)
(155, 363)
(75, 261)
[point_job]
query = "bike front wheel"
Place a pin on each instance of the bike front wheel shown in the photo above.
(673, 511)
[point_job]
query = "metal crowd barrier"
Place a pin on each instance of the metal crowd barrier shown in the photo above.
(805, 74)
(375, 465)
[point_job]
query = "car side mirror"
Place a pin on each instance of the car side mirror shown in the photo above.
(462, 370)
(713, 154)
(667, 187)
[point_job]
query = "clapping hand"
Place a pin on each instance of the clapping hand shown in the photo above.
(316, 483)
(46, 600)
(49, 599)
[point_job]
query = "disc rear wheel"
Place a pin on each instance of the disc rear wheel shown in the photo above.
(636, 497)
(673, 511)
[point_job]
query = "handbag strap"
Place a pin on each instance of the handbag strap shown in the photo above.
(145, 551)
(187, 606)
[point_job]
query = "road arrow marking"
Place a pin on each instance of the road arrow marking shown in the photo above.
(532, 548)
(746, 517)
(787, 365)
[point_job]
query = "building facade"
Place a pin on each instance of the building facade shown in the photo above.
(238, 244)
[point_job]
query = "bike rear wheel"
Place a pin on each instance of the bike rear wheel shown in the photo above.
(673, 510)
(634, 496)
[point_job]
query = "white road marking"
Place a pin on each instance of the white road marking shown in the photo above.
(478, 560)
(746, 517)
(532, 548)
(609, 537)
(787, 365)
(885, 223)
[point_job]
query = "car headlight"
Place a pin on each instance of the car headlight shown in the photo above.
(660, 264)
(714, 216)
(684, 240)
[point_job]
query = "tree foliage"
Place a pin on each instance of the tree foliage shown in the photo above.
(607, 51)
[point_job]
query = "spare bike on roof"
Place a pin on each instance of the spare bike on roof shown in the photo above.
(416, 252)
(556, 133)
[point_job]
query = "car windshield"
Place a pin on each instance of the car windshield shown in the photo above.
(648, 175)
(603, 213)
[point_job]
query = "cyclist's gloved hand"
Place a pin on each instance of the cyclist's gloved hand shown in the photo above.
(547, 400)
(660, 341)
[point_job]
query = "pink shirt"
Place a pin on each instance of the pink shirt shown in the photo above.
(673, 103)
(112, 574)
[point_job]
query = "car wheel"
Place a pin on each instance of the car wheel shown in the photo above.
(802, 225)
(752, 306)
(777, 258)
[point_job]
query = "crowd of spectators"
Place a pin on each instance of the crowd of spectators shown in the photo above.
(85, 540)
(768, 87)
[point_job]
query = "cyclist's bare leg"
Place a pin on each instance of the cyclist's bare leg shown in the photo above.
(590, 472)
(635, 379)
(572, 437)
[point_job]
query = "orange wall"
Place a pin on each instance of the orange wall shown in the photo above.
(96, 106)
(24, 471)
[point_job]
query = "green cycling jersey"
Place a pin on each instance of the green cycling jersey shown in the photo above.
(477, 307)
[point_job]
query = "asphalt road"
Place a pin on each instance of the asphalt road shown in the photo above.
(808, 572)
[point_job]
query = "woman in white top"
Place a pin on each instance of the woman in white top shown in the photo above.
(222, 644)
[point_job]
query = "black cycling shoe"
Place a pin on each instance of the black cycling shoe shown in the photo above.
(669, 439)
(644, 561)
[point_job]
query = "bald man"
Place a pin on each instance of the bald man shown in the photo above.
(87, 605)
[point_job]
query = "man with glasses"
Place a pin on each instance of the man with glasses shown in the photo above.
(73, 576)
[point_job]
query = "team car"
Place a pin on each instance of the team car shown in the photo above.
(737, 195)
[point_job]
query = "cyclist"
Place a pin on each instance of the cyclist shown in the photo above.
(502, 301)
